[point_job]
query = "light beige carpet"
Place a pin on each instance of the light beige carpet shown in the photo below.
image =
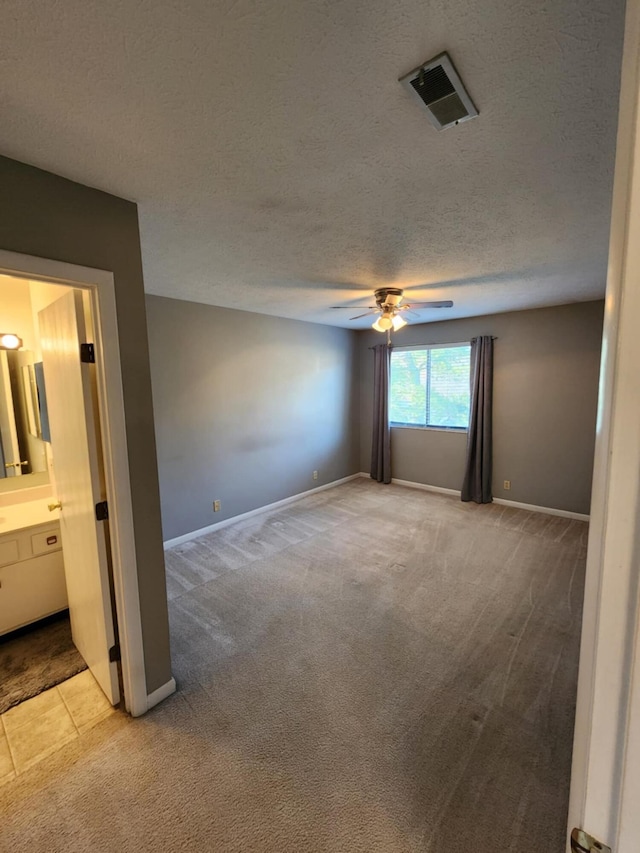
(371, 669)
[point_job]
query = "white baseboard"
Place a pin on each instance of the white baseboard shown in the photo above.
(546, 510)
(425, 488)
(161, 693)
(187, 537)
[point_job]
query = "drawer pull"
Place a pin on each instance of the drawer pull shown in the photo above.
(51, 540)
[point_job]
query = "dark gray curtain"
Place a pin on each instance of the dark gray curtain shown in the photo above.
(381, 443)
(477, 478)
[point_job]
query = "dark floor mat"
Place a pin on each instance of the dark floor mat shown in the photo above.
(36, 658)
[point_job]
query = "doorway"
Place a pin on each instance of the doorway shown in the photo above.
(54, 568)
(57, 631)
(95, 288)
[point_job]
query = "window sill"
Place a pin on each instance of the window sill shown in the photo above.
(462, 430)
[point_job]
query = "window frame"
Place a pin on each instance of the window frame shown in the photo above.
(450, 429)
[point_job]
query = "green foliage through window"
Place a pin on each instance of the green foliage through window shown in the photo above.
(430, 387)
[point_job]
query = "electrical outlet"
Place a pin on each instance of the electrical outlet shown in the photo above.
(507, 485)
(315, 475)
(217, 506)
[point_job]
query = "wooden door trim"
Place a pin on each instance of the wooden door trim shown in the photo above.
(101, 286)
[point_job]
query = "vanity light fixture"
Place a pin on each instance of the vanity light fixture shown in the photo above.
(10, 341)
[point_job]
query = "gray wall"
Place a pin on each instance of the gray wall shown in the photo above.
(545, 399)
(246, 408)
(45, 215)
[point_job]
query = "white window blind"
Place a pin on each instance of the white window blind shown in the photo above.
(430, 386)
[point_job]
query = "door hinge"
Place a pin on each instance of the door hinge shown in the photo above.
(102, 511)
(582, 842)
(114, 653)
(87, 354)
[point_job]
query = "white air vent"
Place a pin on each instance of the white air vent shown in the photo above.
(436, 86)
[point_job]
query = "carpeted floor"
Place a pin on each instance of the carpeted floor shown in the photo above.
(371, 669)
(36, 658)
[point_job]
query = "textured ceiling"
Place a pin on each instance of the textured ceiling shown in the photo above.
(280, 167)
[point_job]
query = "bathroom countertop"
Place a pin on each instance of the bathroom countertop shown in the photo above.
(27, 514)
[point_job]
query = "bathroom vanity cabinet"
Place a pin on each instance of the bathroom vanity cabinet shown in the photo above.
(32, 581)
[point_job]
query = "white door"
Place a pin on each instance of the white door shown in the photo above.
(605, 780)
(77, 479)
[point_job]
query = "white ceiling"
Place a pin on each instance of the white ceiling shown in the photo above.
(280, 167)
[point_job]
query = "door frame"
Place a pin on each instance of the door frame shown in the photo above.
(101, 287)
(605, 778)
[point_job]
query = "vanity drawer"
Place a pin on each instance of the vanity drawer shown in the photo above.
(45, 541)
(30, 542)
(8, 551)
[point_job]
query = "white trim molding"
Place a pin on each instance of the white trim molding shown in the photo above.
(100, 284)
(161, 693)
(425, 488)
(202, 531)
(546, 510)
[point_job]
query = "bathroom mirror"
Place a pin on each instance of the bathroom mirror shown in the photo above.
(23, 453)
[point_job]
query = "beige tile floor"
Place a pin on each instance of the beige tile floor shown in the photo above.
(34, 729)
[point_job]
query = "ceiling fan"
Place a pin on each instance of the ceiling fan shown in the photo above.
(390, 310)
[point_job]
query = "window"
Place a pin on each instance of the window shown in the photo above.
(430, 386)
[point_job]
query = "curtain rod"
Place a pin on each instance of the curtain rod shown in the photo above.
(493, 338)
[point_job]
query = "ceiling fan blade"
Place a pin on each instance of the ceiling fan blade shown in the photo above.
(350, 307)
(366, 314)
(444, 303)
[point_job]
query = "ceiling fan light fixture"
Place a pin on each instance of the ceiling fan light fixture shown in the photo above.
(390, 311)
(384, 322)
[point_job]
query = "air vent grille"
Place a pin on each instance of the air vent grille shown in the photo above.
(433, 84)
(439, 88)
(449, 110)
